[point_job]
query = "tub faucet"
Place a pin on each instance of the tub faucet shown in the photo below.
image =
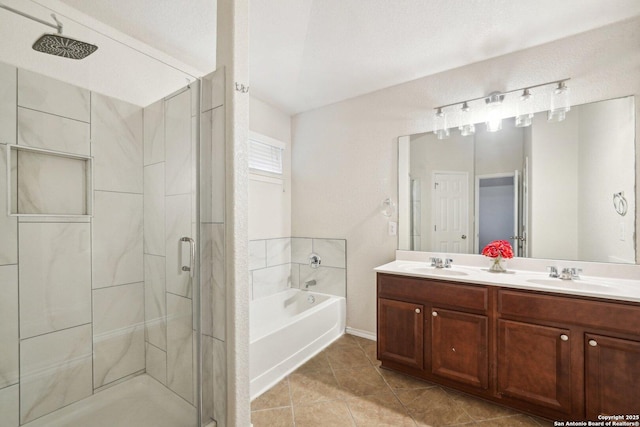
(309, 283)
(314, 260)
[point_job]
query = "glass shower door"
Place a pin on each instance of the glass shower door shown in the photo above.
(171, 250)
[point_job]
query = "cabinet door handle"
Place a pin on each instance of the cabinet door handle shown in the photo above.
(564, 337)
(593, 343)
(434, 314)
(418, 310)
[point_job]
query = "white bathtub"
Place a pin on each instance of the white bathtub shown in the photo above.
(287, 329)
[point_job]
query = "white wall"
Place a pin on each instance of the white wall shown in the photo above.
(345, 154)
(605, 235)
(232, 53)
(270, 201)
(554, 188)
(499, 152)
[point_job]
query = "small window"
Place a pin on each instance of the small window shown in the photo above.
(265, 154)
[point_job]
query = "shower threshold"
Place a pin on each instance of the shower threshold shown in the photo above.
(139, 402)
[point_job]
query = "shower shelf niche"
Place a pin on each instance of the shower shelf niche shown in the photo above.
(48, 183)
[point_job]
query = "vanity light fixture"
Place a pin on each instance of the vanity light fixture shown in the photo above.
(559, 103)
(494, 111)
(498, 104)
(441, 130)
(467, 128)
(524, 109)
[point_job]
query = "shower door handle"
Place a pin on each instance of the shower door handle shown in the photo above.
(192, 254)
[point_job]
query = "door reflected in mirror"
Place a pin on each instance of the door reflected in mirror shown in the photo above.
(548, 189)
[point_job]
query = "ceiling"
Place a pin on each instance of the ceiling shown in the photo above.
(183, 29)
(123, 67)
(308, 53)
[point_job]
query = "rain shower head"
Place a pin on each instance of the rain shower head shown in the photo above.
(57, 44)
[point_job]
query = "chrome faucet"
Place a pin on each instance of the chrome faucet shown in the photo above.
(567, 273)
(439, 263)
(570, 273)
(314, 260)
(575, 273)
(309, 283)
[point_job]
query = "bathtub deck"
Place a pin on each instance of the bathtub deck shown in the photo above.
(138, 402)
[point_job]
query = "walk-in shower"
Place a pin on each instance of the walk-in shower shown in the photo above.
(111, 235)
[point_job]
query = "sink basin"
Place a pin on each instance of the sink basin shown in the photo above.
(580, 284)
(441, 271)
(422, 269)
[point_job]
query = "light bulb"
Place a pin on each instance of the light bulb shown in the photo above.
(524, 114)
(467, 128)
(494, 111)
(559, 103)
(440, 120)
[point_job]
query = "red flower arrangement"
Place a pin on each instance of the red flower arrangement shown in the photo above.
(498, 248)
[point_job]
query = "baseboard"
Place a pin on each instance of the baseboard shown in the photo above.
(360, 333)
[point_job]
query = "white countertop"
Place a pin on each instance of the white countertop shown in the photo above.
(622, 289)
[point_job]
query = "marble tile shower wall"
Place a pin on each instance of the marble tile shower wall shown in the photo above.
(212, 248)
(72, 306)
(278, 264)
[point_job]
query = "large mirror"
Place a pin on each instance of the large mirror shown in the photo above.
(562, 190)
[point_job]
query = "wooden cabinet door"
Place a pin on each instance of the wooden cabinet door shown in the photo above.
(459, 346)
(612, 375)
(401, 332)
(534, 364)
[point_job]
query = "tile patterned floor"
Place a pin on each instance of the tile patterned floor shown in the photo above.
(344, 386)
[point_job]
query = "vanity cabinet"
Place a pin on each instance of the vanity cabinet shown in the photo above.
(459, 347)
(554, 355)
(612, 372)
(446, 323)
(534, 364)
(400, 332)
